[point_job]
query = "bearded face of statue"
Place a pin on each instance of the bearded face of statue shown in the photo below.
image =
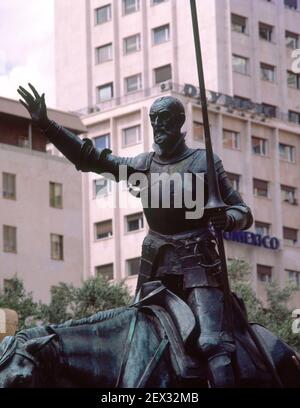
(167, 117)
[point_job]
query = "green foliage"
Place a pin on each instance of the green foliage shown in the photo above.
(95, 294)
(67, 302)
(14, 296)
(276, 314)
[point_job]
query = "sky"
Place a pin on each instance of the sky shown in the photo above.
(27, 47)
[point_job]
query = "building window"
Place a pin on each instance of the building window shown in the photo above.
(290, 235)
(266, 32)
(103, 229)
(288, 195)
(101, 187)
(105, 271)
(294, 278)
(57, 247)
(131, 135)
(238, 23)
(262, 228)
(291, 4)
(231, 139)
(133, 83)
(267, 72)
(56, 195)
(103, 14)
(235, 180)
(105, 92)
(102, 142)
(292, 40)
(264, 273)
(163, 74)
(132, 43)
(269, 110)
(133, 266)
(198, 131)
(9, 186)
(287, 152)
(131, 6)
(294, 117)
(161, 34)
(104, 53)
(260, 188)
(9, 238)
(134, 222)
(259, 146)
(240, 64)
(8, 285)
(293, 80)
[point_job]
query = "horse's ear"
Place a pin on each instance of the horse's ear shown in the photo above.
(33, 346)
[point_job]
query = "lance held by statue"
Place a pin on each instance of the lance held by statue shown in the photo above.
(179, 251)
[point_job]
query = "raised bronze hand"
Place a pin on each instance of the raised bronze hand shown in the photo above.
(35, 105)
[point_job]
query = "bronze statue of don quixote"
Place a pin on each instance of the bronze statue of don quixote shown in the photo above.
(184, 328)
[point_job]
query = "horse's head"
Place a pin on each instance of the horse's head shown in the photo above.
(20, 361)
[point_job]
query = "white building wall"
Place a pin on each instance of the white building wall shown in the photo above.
(36, 220)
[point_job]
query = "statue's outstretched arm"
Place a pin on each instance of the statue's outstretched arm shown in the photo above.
(82, 153)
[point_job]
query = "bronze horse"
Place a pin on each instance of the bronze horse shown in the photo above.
(134, 346)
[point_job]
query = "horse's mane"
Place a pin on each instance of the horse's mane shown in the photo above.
(96, 318)
(9, 344)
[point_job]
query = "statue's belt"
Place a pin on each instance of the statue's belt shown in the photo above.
(188, 262)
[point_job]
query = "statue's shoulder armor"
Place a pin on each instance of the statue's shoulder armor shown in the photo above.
(142, 161)
(199, 163)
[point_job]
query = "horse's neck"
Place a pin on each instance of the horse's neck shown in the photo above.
(51, 362)
(93, 352)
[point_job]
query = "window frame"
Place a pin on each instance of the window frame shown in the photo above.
(293, 36)
(97, 53)
(128, 264)
(10, 243)
(256, 189)
(107, 85)
(155, 70)
(53, 204)
(141, 222)
(138, 139)
(291, 155)
(139, 83)
(234, 146)
(104, 135)
(7, 194)
(270, 38)
(110, 234)
(167, 36)
(245, 31)
(263, 146)
(111, 264)
(247, 64)
(137, 8)
(107, 189)
(267, 68)
(52, 248)
(138, 37)
(109, 7)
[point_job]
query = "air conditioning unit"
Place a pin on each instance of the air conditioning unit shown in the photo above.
(165, 86)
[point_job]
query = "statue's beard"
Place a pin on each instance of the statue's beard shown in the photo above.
(166, 143)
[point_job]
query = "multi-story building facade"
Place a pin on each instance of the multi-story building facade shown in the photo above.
(128, 52)
(40, 204)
